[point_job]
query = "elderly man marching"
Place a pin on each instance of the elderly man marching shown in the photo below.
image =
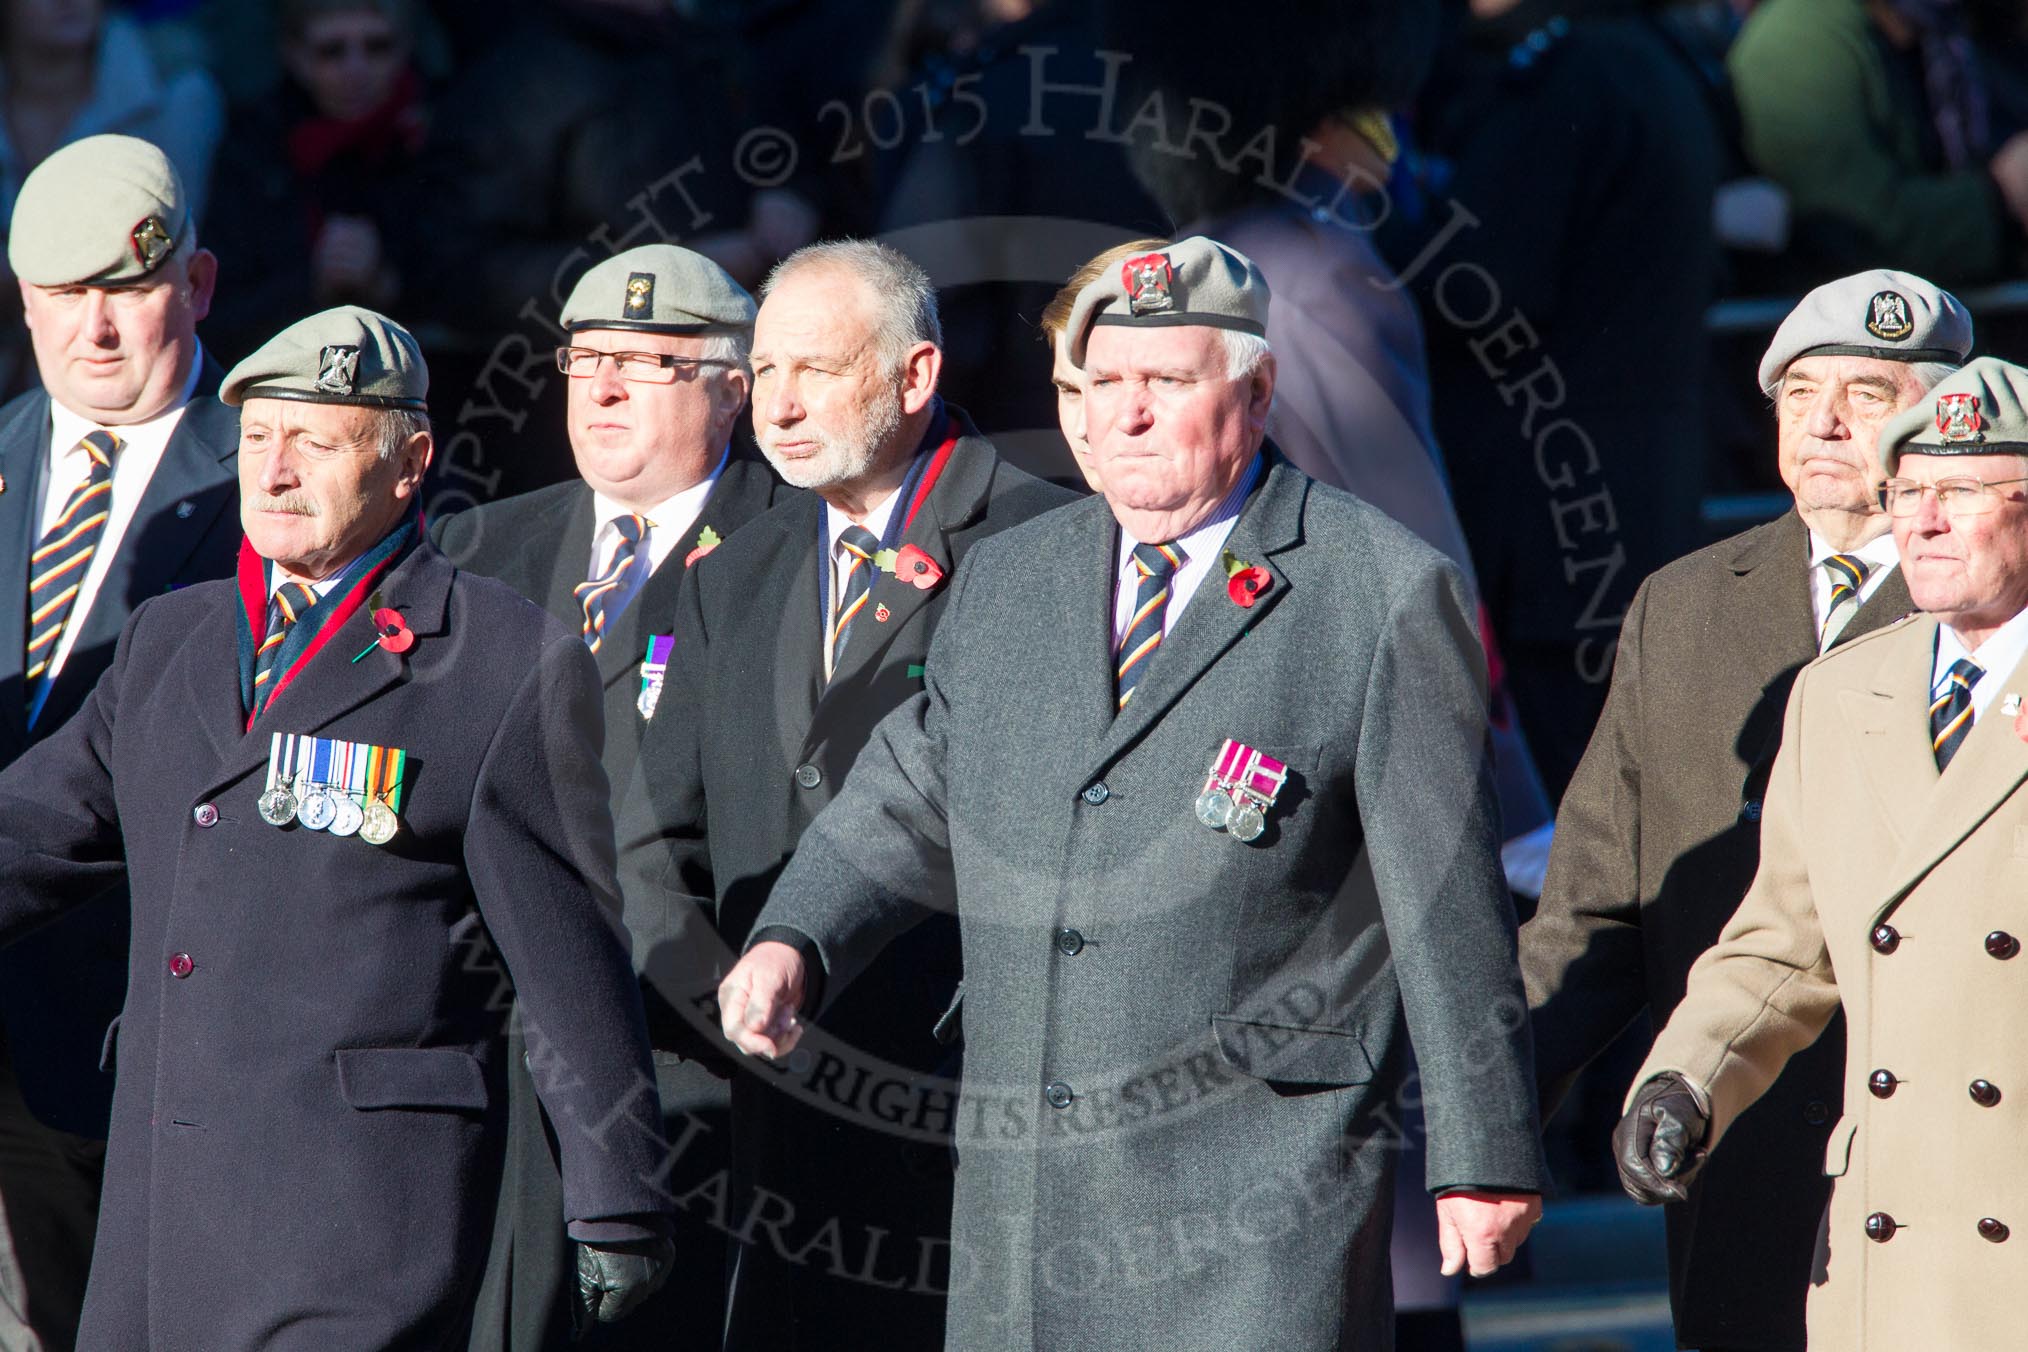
(1196, 889)
(1890, 883)
(328, 781)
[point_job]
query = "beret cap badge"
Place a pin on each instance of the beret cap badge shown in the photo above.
(1887, 317)
(338, 368)
(1957, 418)
(1147, 279)
(151, 242)
(640, 302)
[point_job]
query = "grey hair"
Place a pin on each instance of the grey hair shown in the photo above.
(397, 425)
(727, 347)
(1927, 375)
(904, 299)
(1244, 353)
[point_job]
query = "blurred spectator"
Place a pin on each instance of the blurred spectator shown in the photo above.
(73, 70)
(1563, 247)
(1022, 181)
(321, 209)
(1874, 115)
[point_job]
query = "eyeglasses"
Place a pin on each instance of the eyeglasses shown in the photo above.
(1958, 497)
(646, 368)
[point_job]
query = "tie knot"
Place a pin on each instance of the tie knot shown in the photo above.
(631, 527)
(859, 541)
(1849, 569)
(101, 446)
(1965, 672)
(294, 598)
(1159, 560)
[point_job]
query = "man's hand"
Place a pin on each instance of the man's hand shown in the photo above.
(1480, 1232)
(1659, 1143)
(614, 1278)
(759, 1000)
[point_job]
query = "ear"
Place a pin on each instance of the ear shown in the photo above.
(415, 459)
(203, 281)
(920, 370)
(1260, 394)
(731, 394)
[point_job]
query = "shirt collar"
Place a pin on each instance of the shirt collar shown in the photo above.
(1219, 523)
(677, 506)
(876, 521)
(1878, 552)
(1997, 656)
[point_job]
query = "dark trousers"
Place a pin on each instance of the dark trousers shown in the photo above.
(49, 1210)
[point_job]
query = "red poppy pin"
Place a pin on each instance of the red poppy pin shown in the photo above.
(1245, 583)
(707, 540)
(392, 631)
(911, 565)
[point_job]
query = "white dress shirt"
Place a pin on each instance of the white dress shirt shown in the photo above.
(141, 448)
(669, 523)
(835, 523)
(1880, 556)
(1997, 657)
(1201, 553)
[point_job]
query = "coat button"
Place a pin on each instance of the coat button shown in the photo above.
(1058, 1093)
(2002, 945)
(1882, 1084)
(1880, 1227)
(1993, 1230)
(181, 966)
(1097, 793)
(1069, 942)
(1816, 1113)
(1985, 1093)
(205, 814)
(1752, 810)
(809, 776)
(1886, 939)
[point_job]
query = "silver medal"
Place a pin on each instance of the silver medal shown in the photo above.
(317, 808)
(379, 825)
(346, 817)
(1246, 822)
(278, 806)
(1214, 808)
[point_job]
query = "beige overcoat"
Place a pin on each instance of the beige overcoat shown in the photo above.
(1903, 895)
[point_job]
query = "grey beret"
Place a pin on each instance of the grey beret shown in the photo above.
(1193, 281)
(1895, 316)
(342, 356)
(102, 210)
(1981, 409)
(659, 288)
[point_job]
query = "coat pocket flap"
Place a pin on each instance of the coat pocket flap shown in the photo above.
(110, 1048)
(1838, 1150)
(1292, 1053)
(411, 1077)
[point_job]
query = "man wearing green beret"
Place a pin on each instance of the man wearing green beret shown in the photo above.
(1891, 869)
(116, 484)
(339, 784)
(656, 361)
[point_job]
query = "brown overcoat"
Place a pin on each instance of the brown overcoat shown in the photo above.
(1657, 840)
(1897, 893)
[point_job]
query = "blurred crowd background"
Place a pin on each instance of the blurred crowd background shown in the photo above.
(1527, 252)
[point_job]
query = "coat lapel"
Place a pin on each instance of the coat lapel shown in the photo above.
(1270, 523)
(1889, 713)
(1987, 768)
(799, 636)
(331, 684)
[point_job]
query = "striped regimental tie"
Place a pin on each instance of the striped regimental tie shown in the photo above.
(1950, 715)
(856, 548)
(605, 593)
(57, 567)
(291, 601)
(1848, 574)
(1156, 564)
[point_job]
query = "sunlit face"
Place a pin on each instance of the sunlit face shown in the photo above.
(1829, 413)
(642, 443)
(1170, 431)
(347, 61)
(314, 492)
(1068, 382)
(824, 404)
(120, 354)
(1970, 570)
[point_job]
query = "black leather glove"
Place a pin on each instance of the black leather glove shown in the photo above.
(614, 1278)
(1659, 1143)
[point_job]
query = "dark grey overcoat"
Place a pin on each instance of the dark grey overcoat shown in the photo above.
(1178, 1124)
(307, 1107)
(1657, 840)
